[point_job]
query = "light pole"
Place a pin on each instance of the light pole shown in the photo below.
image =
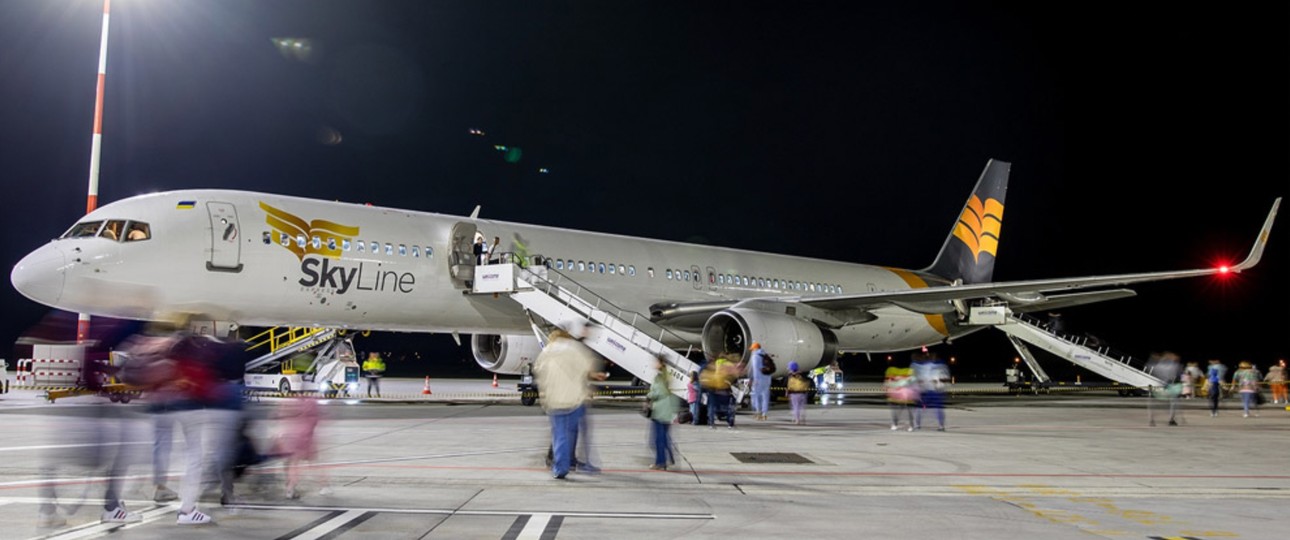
(96, 148)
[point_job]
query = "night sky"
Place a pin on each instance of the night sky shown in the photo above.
(1142, 138)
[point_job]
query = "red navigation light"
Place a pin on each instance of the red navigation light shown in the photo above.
(1223, 269)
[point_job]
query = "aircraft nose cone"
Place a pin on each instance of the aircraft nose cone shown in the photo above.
(39, 275)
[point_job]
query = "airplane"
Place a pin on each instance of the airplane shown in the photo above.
(261, 259)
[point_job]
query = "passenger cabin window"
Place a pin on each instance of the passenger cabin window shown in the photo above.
(650, 271)
(331, 244)
(611, 269)
(621, 270)
(83, 230)
(345, 244)
(359, 244)
(581, 266)
(559, 264)
(429, 252)
(284, 240)
(376, 247)
(631, 270)
(315, 242)
(669, 273)
(602, 268)
(416, 252)
(403, 250)
(389, 249)
(300, 241)
(267, 237)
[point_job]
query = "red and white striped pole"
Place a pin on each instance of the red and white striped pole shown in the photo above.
(96, 148)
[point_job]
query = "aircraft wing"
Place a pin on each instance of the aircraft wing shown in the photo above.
(1027, 295)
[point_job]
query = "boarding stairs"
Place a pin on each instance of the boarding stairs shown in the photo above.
(331, 363)
(1077, 350)
(626, 338)
(278, 343)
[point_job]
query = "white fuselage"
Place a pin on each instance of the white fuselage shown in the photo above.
(222, 254)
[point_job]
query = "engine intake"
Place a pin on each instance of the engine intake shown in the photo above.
(504, 354)
(785, 338)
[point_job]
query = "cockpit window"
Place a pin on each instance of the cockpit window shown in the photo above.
(112, 230)
(83, 230)
(136, 231)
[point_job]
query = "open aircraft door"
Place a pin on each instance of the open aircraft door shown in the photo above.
(461, 261)
(226, 251)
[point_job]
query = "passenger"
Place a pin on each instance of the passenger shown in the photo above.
(1246, 381)
(797, 390)
(1165, 367)
(761, 381)
(1214, 376)
(692, 393)
(373, 368)
(901, 394)
(101, 447)
(297, 441)
(562, 369)
(481, 250)
(1276, 378)
(225, 411)
(663, 409)
(1197, 378)
(492, 250)
(716, 379)
(196, 387)
(932, 376)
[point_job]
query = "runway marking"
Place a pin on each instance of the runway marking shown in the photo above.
(452, 511)
(329, 526)
(534, 527)
(57, 446)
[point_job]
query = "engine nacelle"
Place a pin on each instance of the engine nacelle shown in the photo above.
(786, 338)
(504, 354)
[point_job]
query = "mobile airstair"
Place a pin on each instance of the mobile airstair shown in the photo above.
(626, 338)
(332, 370)
(1077, 350)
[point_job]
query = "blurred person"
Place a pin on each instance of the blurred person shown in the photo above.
(562, 369)
(225, 411)
(1164, 366)
(762, 367)
(901, 394)
(1276, 379)
(1214, 376)
(692, 393)
(798, 388)
(931, 375)
(297, 441)
(716, 378)
(101, 446)
(663, 408)
(1246, 382)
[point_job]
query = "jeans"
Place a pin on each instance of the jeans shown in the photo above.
(799, 402)
(564, 430)
(662, 443)
(717, 402)
(164, 432)
(761, 396)
(373, 383)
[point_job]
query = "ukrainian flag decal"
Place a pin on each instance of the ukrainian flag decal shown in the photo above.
(185, 205)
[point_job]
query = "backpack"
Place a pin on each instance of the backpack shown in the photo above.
(767, 365)
(147, 362)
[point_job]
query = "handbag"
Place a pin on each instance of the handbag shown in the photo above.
(647, 409)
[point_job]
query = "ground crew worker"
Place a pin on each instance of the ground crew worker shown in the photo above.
(374, 367)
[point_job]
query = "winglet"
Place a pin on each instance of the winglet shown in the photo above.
(1256, 252)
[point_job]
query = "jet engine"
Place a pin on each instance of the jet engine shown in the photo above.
(786, 338)
(504, 354)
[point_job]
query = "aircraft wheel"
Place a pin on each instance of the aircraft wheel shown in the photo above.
(124, 398)
(284, 386)
(528, 401)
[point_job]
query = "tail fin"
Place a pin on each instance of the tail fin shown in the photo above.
(969, 252)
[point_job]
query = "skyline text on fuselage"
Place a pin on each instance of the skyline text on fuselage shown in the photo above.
(328, 274)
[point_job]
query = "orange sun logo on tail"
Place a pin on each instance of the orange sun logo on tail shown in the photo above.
(978, 226)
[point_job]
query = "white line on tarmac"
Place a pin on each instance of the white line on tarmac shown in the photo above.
(533, 529)
(626, 515)
(56, 446)
(330, 525)
(95, 530)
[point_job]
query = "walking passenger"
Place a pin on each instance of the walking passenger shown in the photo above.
(798, 387)
(562, 369)
(1276, 379)
(1246, 381)
(663, 408)
(932, 376)
(1214, 376)
(762, 369)
(901, 395)
(1166, 368)
(692, 393)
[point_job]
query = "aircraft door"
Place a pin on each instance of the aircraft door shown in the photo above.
(696, 278)
(226, 249)
(461, 261)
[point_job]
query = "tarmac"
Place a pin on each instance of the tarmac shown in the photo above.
(467, 461)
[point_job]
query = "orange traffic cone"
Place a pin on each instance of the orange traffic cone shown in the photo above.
(494, 380)
(426, 390)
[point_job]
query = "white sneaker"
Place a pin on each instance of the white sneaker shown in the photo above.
(325, 491)
(894, 427)
(119, 515)
(910, 428)
(193, 518)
